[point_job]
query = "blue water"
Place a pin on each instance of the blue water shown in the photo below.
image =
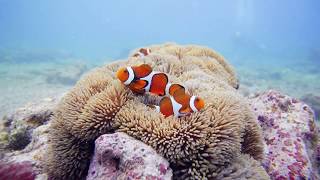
(272, 44)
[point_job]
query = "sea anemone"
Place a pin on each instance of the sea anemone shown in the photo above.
(202, 145)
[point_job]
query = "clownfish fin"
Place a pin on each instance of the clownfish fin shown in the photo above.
(182, 98)
(179, 93)
(185, 110)
(166, 107)
(158, 84)
(138, 86)
(142, 71)
(175, 87)
(165, 101)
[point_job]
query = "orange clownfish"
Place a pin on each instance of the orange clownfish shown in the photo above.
(180, 104)
(141, 79)
(142, 52)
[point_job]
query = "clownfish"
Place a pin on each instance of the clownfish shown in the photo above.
(142, 52)
(180, 104)
(141, 79)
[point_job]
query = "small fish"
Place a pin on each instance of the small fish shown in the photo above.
(141, 79)
(180, 104)
(142, 52)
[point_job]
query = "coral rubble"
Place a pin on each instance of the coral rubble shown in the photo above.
(199, 146)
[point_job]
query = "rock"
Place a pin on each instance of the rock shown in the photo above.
(119, 156)
(290, 134)
(24, 140)
(17, 171)
(18, 139)
(34, 154)
(314, 102)
(16, 129)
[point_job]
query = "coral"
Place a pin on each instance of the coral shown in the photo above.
(290, 134)
(15, 171)
(119, 156)
(198, 146)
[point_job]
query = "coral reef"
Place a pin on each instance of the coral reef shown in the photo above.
(119, 156)
(199, 146)
(290, 134)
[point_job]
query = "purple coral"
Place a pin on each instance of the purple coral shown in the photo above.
(17, 171)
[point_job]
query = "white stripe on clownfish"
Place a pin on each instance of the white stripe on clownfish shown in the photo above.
(149, 80)
(176, 107)
(167, 90)
(191, 103)
(131, 76)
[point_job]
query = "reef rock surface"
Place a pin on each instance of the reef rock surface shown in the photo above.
(290, 136)
(24, 140)
(119, 156)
